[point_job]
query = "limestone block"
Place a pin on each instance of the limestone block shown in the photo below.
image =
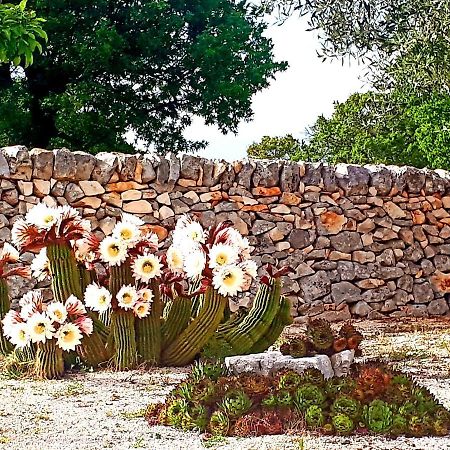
(341, 362)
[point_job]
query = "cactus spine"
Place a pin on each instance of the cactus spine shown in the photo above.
(5, 346)
(189, 343)
(49, 362)
(122, 327)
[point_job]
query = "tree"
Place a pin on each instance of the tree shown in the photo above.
(114, 66)
(385, 128)
(20, 32)
(274, 147)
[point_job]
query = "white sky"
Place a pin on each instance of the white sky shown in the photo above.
(294, 99)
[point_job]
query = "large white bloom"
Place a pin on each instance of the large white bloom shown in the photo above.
(113, 251)
(127, 232)
(9, 253)
(194, 263)
(97, 298)
(40, 265)
(130, 218)
(222, 255)
(68, 337)
(11, 319)
(57, 312)
(127, 297)
(40, 327)
(19, 335)
(146, 267)
(146, 295)
(141, 309)
(174, 257)
(30, 303)
(187, 229)
(43, 216)
(229, 280)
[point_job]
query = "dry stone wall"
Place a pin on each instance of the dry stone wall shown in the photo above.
(367, 241)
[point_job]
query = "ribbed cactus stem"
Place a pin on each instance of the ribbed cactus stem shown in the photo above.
(282, 319)
(67, 281)
(65, 273)
(183, 350)
(25, 354)
(122, 328)
(120, 276)
(256, 323)
(49, 363)
(148, 331)
(177, 319)
(5, 346)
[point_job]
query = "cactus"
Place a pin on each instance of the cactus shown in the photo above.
(122, 328)
(183, 350)
(49, 362)
(5, 346)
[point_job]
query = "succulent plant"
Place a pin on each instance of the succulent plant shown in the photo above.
(399, 425)
(378, 416)
(407, 409)
(440, 427)
(284, 398)
(273, 422)
(346, 405)
(313, 376)
(176, 410)
(328, 428)
(442, 413)
(289, 380)
(371, 383)
(308, 395)
(236, 403)
(342, 424)
(399, 390)
(297, 347)
(270, 401)
(204, 391)
(196, 418)
(352, 336)
(152, 413)
(347, 330)
(251, 424)
(425, 402)
(419, 426)
(314, 416)
(339, 385)
(185, 390)
(320, 334)
(255, 386)
(339, 344)
(207, 369)
(219, 423)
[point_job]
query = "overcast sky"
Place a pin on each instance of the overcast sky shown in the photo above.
(294, 99)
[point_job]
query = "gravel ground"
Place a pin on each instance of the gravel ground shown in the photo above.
(104, 410)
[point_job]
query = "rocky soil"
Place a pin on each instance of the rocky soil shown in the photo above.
(104, 410)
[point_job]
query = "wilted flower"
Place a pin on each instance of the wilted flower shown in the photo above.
(85, 324)
(9, 253)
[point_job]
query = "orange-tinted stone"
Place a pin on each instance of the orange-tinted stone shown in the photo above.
(255, 208)
(161, 232)
(266, 192)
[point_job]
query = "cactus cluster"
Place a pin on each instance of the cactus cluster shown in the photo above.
(154, 304)
(321, 339)
(290, 402)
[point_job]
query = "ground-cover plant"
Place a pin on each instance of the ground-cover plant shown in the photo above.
(321, 339)
(294, 401)
(151, 306)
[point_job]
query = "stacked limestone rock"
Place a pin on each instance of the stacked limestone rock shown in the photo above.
(367, 241)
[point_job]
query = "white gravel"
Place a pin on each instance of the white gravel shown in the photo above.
(104, 410)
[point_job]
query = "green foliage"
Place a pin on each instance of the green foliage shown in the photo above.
(378, 416)
(308, 395)
(339, 386)
(196, 418)
(343, 424)
(219, 423)
(141, 66)
(236, 403)
(279, 147)
(289, 380)
(314, 416)
(346, 405)
(399, 425)
(21, 34)
(209, 369)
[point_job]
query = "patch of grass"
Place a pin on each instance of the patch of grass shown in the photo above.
(13, 369)
(134, 414)
(72, 389)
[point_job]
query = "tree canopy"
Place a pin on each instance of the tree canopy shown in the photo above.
(20, 33)
(148, 66)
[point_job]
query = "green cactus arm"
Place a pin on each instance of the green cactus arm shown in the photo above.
(182, 351)
(5, 346)
(256, 323)
(177, 319)
(274, 331)
(148, 331)
(120, 276)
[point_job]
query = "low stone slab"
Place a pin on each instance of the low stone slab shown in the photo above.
(271, 362)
